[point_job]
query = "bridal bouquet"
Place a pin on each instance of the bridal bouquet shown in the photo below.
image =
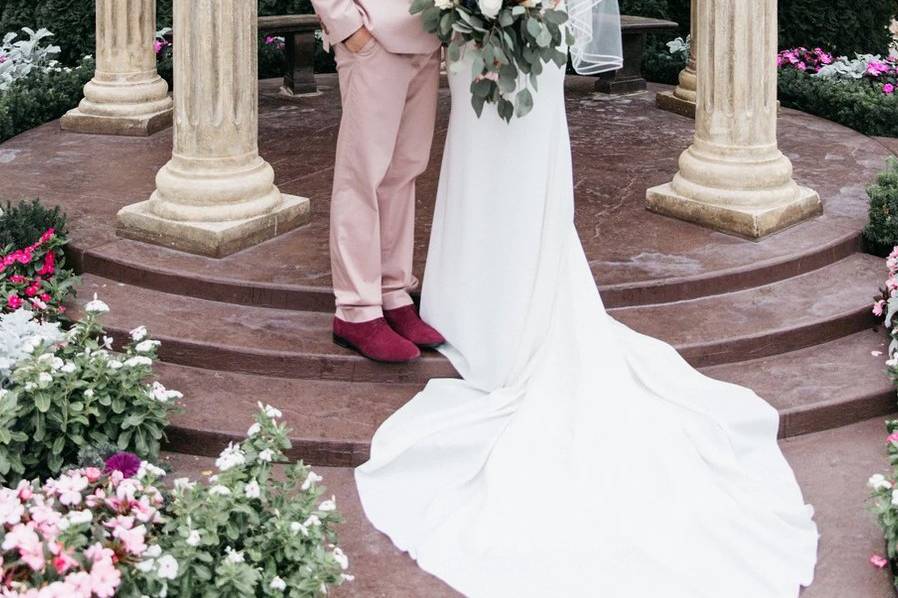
(507, 41)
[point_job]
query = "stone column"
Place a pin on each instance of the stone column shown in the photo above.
(216, 195)
(682, 99)
(126, 95)
(733, 177)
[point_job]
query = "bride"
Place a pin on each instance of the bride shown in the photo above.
(576, 457)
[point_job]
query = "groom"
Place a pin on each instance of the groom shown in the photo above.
(389, 71)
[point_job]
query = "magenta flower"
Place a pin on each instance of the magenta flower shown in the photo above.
(888, 89)
(125, 463)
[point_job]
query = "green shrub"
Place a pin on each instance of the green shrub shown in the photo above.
(41, 97)
(881, 232)
(859, 104)
(24, 223)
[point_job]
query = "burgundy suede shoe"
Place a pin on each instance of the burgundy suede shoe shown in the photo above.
(375, 340)
(406, 322)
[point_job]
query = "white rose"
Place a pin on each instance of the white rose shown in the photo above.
(490, 8)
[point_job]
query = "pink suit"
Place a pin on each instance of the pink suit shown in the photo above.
(389, 94)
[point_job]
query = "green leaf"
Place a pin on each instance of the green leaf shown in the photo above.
(42, 402)
(430, 18)
(419, 6)
(477, 64)
(58, 445)
(477, 102)
(523, 103)
(453, 52)
(506, 109)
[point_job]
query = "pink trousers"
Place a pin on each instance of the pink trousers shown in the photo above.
(389, 112)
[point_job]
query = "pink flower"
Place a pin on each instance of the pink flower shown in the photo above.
(48, 234)
(893, 437)
(14, 301)
(134, 540)
(126, 463)
(46, 298)
(878, 308)
(92, 473)
(888, 89)
(25, 491)
(878, 561)
(63, 563)
(158, 46)
(105, 578)
(49, 266)
(70, 487)
(33, 290)
(25, 540)
(80, 584)
(24, 257)
(97, 553)
(11, 509)
(2, 58)
(17, 279)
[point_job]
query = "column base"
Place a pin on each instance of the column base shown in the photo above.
(666, 100)
(747, 221)
(142, 125)
(212, 239)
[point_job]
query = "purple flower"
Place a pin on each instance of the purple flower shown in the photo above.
(126, 463)
(888, 89)
(2, 58)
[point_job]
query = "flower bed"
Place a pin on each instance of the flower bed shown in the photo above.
(113, 530)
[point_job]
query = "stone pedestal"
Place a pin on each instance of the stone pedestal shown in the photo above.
(126, 95)
(733, 177)
(216, 195)
(682, 99)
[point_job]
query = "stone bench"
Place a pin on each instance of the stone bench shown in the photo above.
(629, 78)
(299, 50)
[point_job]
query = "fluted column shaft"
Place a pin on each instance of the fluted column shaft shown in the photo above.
(734, 177)
(216, 195)
(126, 96)
(686, 89)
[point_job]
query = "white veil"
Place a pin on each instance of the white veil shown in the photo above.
(597, 36)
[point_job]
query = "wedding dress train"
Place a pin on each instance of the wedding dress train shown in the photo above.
(576, 457)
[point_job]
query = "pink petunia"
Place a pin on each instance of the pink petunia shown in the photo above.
(878, 308)
(878, 561)
(892, 438)
(105, 578)
(134, 540)
(26, 541)
(14, 301)
(888, 89)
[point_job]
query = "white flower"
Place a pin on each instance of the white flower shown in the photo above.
(183, 484)
(69, 368)
(490, 8)
(138, 334)
(138, 360)
(233, 556)
(153, 551)
(252, 489)
(312, 521)
(162, 394)
(115, 364)
(146, 468)
(271, 412)
(878, 482)
(278, 584)
(895, 498)
(146, 565)
(96, 306)
(44, 379)
(346, 577)
(107, 342)
(298, 528)
(443, 4)
(168, 567)
(231, 457)
(193, 538)
(328, 505)
(220, 490)
(253, 430)
(341, 558)
(312, 478)
(146, 346)
(80, 517)
(266, 456)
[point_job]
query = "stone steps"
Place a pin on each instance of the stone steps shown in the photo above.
(826, 386)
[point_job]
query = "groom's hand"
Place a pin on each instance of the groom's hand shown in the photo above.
(355, 42)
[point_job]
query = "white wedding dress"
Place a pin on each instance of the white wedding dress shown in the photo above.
(577, 458)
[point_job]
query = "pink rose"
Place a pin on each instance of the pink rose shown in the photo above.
(91, 473)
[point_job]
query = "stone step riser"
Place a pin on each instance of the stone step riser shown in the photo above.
(317, 299)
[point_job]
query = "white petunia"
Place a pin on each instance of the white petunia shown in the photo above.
(341, 558)
(146, 469)
(138, 334)
(252, 489)
(162, 394)
(271, 412)
(312, 478)
(146, 346)
(278, 584)
(346, 577)
(96, 306)
(328, 505)
(312, 521)
(138, 360)
(146, 565)
(69, 367)
(107, 342)
(253, 430)
(878, 482)
(230, 457)
(266, 456)
(220, 490)
(168, 567)
(298, 528)
(193, 538)
(233, 556)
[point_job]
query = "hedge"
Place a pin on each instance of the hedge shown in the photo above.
(73, 23)
(41, 97)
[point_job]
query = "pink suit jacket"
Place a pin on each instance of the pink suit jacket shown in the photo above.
(388, 20)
